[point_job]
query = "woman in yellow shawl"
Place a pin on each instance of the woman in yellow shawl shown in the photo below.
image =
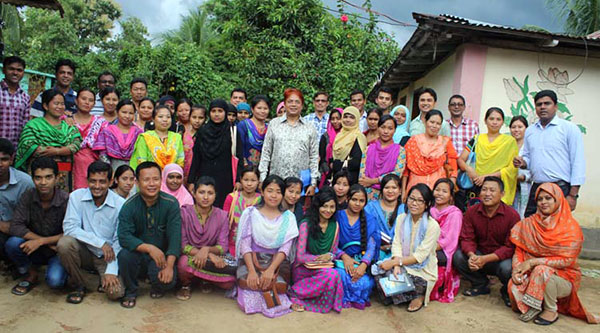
(161, 145)
(349, 145)
(494, 153)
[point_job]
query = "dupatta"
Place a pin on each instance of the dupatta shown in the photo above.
(401, 129)
(423, 158)
(450, 221)
(116, 145)
(381, 160)
(38, 132)
(344, 140)
(325, 242)
(498, 156)
(557, 237)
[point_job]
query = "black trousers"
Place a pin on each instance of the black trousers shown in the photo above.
(532, 205)
(501, 269)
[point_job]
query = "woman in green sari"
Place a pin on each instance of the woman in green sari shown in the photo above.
(50, 136)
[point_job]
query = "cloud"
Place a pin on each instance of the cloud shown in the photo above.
(158, 15)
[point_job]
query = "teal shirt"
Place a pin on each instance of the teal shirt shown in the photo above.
(159, 225)
(418, 127)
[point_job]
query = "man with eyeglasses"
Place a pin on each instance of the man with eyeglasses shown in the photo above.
(462, 129)
(105, 79)
(320, 117)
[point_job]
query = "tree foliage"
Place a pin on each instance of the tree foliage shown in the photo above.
(582, 16)
(263, 46)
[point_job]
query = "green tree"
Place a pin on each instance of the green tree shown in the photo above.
(194, 29)
(10, 31)
(270, 45)
(582, 16)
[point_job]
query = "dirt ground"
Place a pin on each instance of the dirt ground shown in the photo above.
(45, 310)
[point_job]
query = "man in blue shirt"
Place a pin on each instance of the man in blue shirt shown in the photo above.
(65, 73)
(553, 150)
(90, 239)
(320, 117)
(13, 183)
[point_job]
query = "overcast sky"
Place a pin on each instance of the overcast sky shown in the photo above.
(163, 15)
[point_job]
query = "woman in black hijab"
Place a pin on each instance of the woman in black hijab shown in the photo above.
(213, 152)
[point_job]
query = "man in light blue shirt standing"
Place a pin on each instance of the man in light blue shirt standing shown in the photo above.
(320, 117)
(90, 235)
(553, 151)
(427, 98)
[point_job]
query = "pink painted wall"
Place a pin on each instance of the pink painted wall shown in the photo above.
(469, 73)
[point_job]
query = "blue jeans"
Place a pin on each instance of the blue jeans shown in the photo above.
(56, 276)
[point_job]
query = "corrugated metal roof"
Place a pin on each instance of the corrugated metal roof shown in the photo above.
(475, 23)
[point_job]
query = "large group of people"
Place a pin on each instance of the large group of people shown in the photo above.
(296, 213)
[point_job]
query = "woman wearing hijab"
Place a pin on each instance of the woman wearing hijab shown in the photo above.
(172, 183)
(217, 152)
(349, 145)
(402, 115)
(545, 273)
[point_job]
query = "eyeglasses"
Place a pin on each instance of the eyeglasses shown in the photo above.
(457, 104)
(419, 201)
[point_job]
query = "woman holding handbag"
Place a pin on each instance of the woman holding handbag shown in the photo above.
(317, 285)
(266, 234)
(494, 155)
(217, 152)
(414, 249)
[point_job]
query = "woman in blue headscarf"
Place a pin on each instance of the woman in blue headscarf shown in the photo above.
(402, 115)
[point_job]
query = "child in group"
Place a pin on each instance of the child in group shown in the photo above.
(115, 143)
(197, 118)
(237, 201)
(341, 187)
(291, 197)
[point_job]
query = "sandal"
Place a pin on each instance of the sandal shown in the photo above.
(185, 293)
(417, 309)
(541, 321)
(156, 294)
(529, 315)
(476, 291)
(297, 307)
(23, 287)
(128, 302)
(206, 288)
(76, 296)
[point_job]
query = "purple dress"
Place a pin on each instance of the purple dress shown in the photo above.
(251, 301)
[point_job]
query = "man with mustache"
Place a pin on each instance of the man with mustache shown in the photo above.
(553, 151)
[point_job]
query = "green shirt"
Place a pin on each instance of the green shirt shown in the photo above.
(159, 225)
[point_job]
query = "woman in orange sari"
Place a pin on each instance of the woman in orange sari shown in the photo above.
(429, 156)
(546, 275)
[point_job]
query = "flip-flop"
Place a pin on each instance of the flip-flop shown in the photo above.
(128, 302)
(156, 294)
(529, 315)
(297, 307)
(417, 309)
(185, 293)
(26, 287)
(476, 291)
(76, 296)
(543, 322)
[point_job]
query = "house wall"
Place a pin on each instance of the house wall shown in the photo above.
(503, 67)
(440, 79)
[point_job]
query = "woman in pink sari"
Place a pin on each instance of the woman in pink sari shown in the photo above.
(115, 142)
(450, 219)
(89, 126)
